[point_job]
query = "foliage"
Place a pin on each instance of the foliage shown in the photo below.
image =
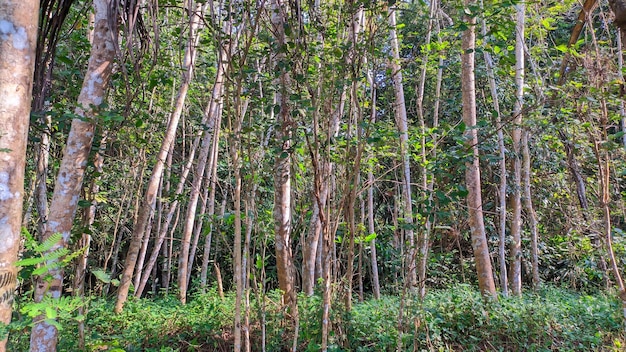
(454, 319)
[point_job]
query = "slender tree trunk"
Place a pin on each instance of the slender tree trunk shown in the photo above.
(72, 169)
(149, 201)
(210, 215)
(530, 210)
(427, 177)
(237, 234)
(282, 165)
(504, 282)
(89, 216)
(211, 116)
(402, 124)
(472, 172)
(18, 39)
(620, 67)
(165, 226)
(516, 200)
(370, 200)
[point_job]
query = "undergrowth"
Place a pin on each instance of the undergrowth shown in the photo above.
(455, 319)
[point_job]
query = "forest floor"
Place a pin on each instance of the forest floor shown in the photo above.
(454, 319)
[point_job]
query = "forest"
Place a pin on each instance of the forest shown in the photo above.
(308, 175)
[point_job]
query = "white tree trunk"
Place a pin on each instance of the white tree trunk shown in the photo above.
(72, 169)
(402, 125)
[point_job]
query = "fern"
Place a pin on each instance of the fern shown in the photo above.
(48, 243)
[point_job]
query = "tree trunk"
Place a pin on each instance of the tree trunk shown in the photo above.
(402, 125)
(210, 215)
(165, 226)
(282, 165)
(72, 169)
(504, 282)
(516, 201)
(211, 117)
(530, 210)
(18, 38)
(472, 172)
(149, 201)
(427, 177)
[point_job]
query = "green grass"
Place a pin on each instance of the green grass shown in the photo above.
(455, 319)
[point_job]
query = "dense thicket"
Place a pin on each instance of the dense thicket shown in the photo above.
(328, 148)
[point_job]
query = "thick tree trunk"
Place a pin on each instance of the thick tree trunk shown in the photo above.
(18, 39)
(472, 172)
(73, 165)
(149, 201)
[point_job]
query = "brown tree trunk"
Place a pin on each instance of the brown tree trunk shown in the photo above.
(72, 169)
(427, 177)
(18, 38)
(504, 282)
(472, 172)
(282, 165)
(516, 200)
(149, 201)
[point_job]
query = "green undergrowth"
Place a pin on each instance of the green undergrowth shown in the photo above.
(455, 319)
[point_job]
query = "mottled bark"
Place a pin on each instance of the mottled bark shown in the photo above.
(72, 169)
(472, 167)
(18, 38)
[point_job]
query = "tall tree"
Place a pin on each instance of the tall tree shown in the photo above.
(402, 125)
(516, 201)
(502, 187)
(18, 38)
(282, 165)
(69, 182)
(472, 167)
(149, 202)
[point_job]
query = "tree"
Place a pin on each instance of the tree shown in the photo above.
(282, 165)
(69, 182)
(150, 195)
(18, 38)
(472, 167)
(516, 201)
(402, 125)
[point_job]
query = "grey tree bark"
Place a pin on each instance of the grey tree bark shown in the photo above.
(72, 169)
(18, 39)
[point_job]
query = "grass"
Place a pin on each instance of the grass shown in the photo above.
(455, 319)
